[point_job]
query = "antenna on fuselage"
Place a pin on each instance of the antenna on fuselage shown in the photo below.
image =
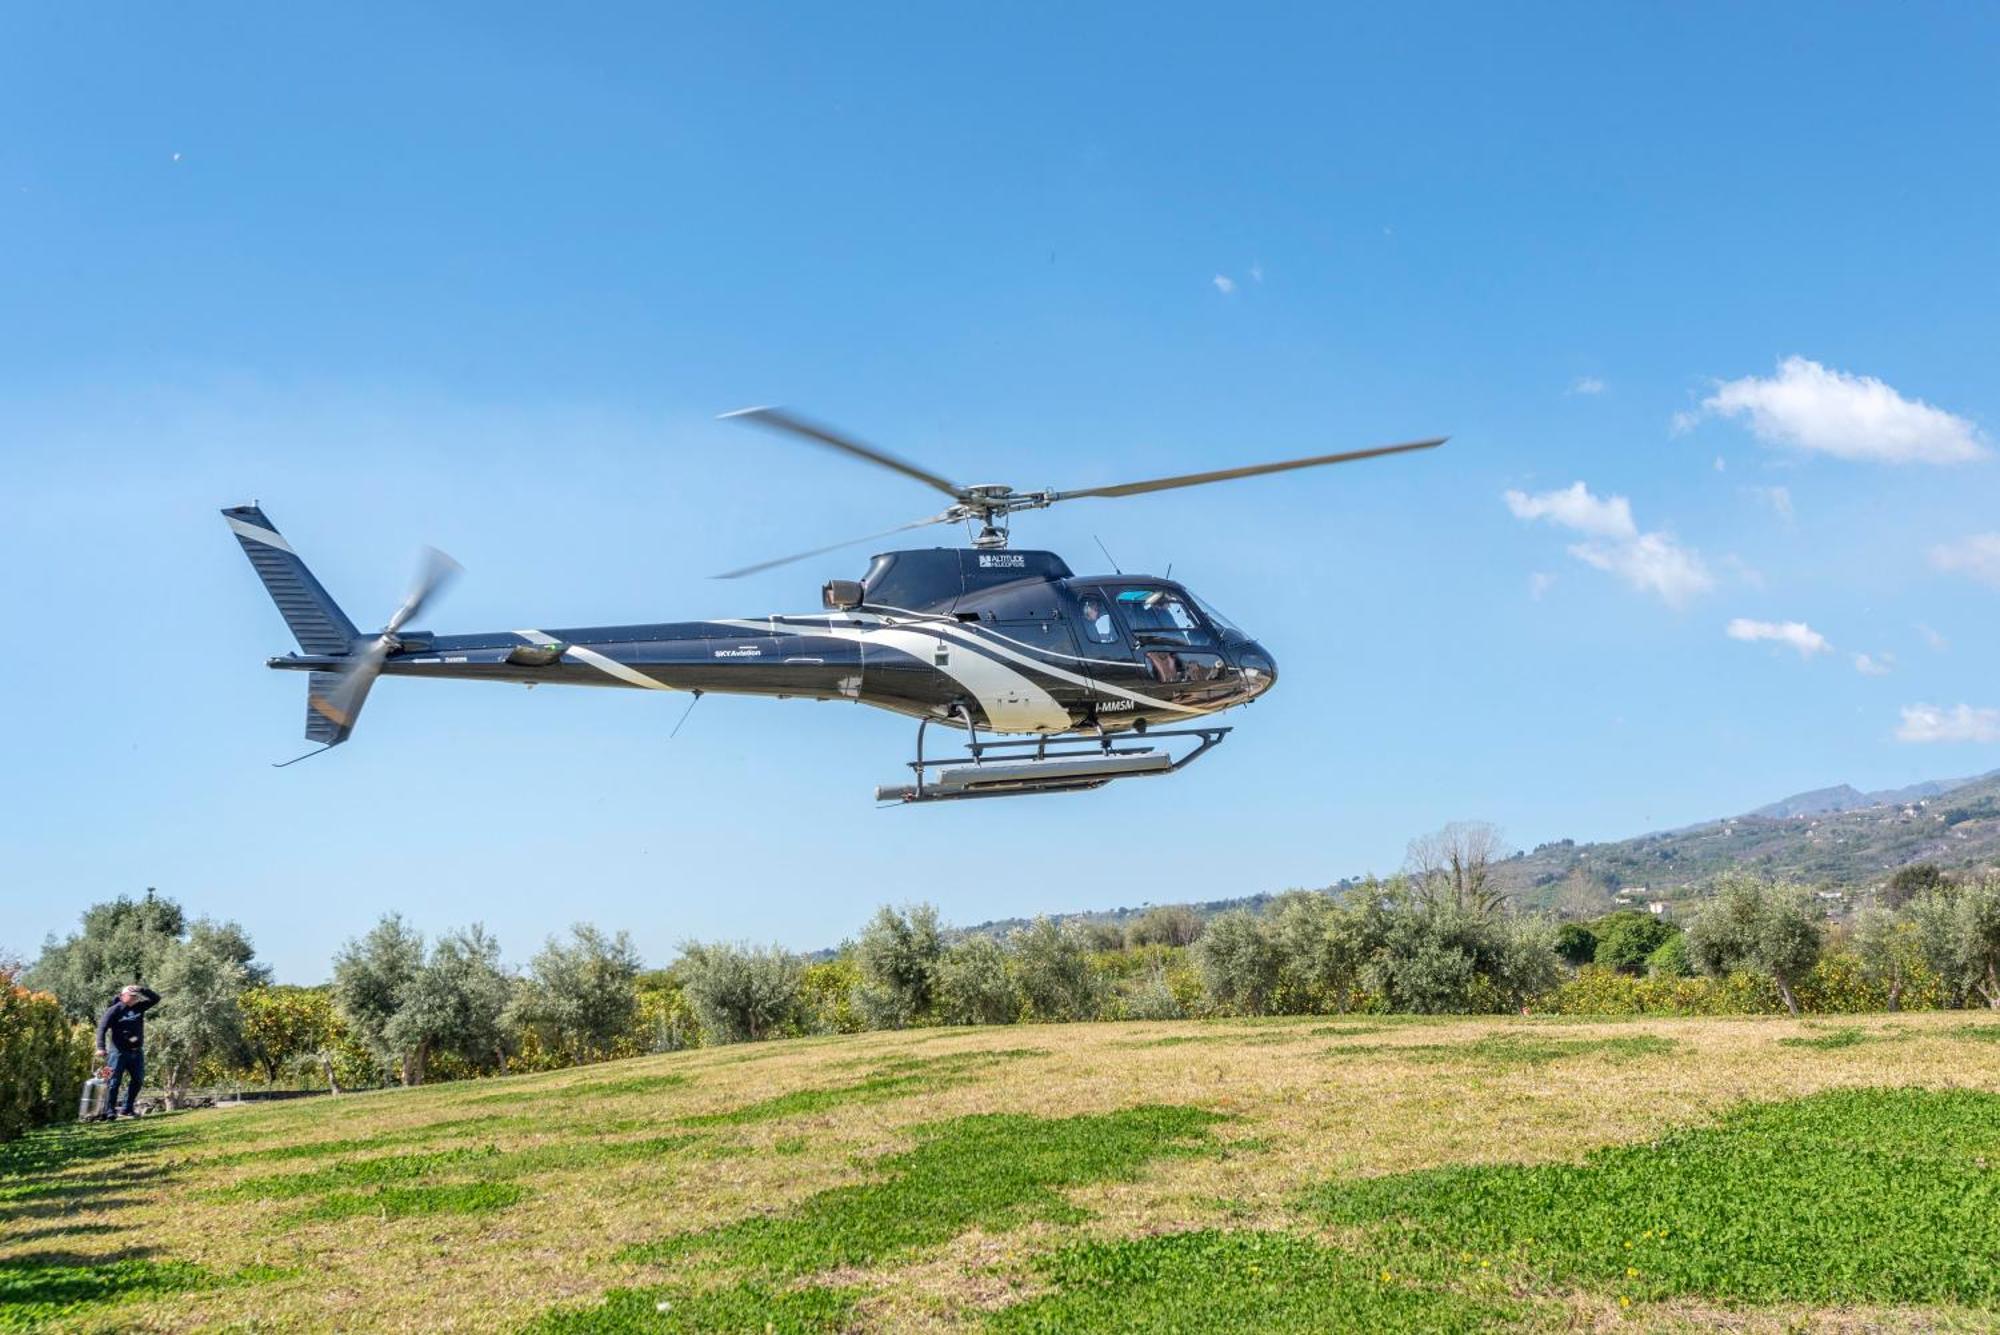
(1115, 568)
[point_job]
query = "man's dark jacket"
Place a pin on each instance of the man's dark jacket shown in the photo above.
(126, 1025)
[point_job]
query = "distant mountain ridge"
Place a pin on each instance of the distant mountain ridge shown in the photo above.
(1846, 797)
(1839, 839)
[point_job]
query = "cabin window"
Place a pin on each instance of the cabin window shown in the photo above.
(1096, 620)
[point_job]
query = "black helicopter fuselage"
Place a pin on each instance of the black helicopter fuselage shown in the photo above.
(1010, 641)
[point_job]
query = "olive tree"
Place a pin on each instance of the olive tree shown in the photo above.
(898, 956)
(1052, 965)
(201, 983)
(975, 984)
(1759, 926)
(740, 993)
(580, 996)
(371, 977)
(1322, 945)
(1238, 961)
(1976, 925)
(456, 1002)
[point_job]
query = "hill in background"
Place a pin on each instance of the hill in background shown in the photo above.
(1839, 839)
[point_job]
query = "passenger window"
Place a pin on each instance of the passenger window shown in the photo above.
(1096, 620)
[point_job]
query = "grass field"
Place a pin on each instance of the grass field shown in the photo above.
(1370, 1173)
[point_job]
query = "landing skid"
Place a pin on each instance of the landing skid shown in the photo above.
(1071, 765)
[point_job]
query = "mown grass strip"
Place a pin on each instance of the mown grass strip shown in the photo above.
(403, 1202)
(1833, 1040)
(593, 1089)
(38, 1290)
(1849, 1196)
(1505, 1050)
(756, 1309)
(992, 1171)
(893, 1078)
(1247, 1281)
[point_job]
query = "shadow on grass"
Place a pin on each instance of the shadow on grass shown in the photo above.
(45, 1287)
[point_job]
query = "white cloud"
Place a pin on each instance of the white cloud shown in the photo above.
(1795, 634)
(1721, 464)
(1574, 507)
(1811, 408)
(1586, 384)
(1936, 641)
(1540, 583)
(1874, 665)
(1256, 273)
(1928, 723)
(1977, 556)
(1649, 562)
(1778, 498)
(1224, 284)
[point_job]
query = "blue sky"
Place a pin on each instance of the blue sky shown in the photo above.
(481, 277)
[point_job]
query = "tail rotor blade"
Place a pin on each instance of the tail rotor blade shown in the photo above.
(341, 706)
(434, 572)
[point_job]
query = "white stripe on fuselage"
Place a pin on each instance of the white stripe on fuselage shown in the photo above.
(603, 663)
(1010, 701)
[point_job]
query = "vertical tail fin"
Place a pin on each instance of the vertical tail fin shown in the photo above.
(315, 619)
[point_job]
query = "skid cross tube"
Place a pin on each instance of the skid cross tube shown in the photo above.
(1018, 777)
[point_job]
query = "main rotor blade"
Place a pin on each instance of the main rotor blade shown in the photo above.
(778, 419)
(944, 518)
(436, 571)
(1252, 470)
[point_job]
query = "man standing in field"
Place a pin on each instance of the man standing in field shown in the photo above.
(123, 1031)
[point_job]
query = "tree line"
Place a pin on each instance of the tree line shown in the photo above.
(1437, 939)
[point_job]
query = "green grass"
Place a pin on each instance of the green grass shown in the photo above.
(38, 1290)
(1833, 1040)
(1261, 1039)
(992, 1171)
(1505, 1050)
(1347, 1030)
(1978, 1033)
(415, 1135)
(893, 1078)
(352, 1173)
(1239, 1282)
(402, 1202)
(755, 1309)
(1850, 1196)
(594, 1089)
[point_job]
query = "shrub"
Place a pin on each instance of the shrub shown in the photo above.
(975, 985)
(1625, 940)
(1322, 946)
(897, 957)
(44, 1059)
(580, 996)
(740, 993)
(1167, 925)
(1052, 965)
(1433, 956)
(1239, 962)
(1576, 944)
(828, 992)
(1671, 959)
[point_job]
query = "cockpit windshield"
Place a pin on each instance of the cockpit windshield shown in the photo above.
(1216, 619)
(1160, 612)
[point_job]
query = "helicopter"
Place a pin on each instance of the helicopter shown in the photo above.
(1058, 682)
